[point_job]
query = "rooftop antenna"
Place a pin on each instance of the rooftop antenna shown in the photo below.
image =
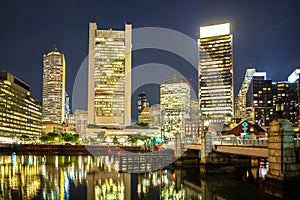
(55, 48)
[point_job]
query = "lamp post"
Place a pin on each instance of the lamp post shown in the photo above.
(204, 127)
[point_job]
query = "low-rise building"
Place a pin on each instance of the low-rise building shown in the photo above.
(20, 113)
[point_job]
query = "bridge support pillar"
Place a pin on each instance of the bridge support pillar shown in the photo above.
(284, 168)
(212, 162)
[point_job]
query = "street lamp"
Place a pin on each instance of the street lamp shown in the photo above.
(204, 126)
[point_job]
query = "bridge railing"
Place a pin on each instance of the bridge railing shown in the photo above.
(241, 141)
(234, 140)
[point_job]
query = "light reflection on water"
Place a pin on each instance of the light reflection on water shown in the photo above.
(87, 177)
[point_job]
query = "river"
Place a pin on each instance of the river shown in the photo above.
(87, 177)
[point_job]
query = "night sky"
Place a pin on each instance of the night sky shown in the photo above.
(266, 34)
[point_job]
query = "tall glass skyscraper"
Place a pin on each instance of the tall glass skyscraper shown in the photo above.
(216, 72)
(109, 76)
(54, 87)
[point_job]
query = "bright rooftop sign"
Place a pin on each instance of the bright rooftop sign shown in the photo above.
(215, 30)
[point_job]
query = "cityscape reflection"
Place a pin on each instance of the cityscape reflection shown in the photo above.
(87, 177)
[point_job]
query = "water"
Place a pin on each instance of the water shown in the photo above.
(86, 177)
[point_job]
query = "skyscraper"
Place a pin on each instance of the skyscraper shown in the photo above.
(155, 115)
(260, 103)
(54, 87)
(215, 72)
(175, 106)
(240, 101)
(142, 102)
(295, 97)
(109, 76)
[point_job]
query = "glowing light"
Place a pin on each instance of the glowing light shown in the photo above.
(13, 159)
(263, 74)
(214, 30)
(294, 76)
(56, 161)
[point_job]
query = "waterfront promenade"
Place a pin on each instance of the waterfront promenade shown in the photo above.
(65, 149)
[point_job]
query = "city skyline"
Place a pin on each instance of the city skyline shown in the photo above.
(256, 26)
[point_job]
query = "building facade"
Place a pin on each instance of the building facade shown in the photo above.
(54, 87)
(295, 96)
(109, 76)
(155, 115)
(145, 116)
(260, 102)
(216, 72)
(287, 93)
(81, 121)
(20, 113)
(175, 107)
(240, 100)
(142, 103)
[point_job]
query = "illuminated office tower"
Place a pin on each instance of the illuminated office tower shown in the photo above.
(260, 107)
(81, 121)
(67, 106)
(109, 76)
(54, 85)
(240, 101)
(175, 106)
(288, 92)
(20, 114)
(295, 97)
(215, 72)
(155, 115)
(142, 102)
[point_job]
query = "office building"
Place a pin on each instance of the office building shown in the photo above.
(285, 92)
(259, 102)
(288, 93)
(109, 76)
(240, 100)
(295, 96)
(216, 72)
(54, 87)
(81, 121)
(142, 102)
(67, 106)
(175, 107)
(193, 123)
(145, 116)
(155, 115)
(20, 113)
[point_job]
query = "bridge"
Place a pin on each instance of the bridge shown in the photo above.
(240, 146)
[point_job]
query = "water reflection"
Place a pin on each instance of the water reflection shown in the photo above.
(87, 177)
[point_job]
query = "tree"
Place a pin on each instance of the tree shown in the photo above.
(69, 137)
(44, 138)
(133, 140)
(115, 140)
(101, 136)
